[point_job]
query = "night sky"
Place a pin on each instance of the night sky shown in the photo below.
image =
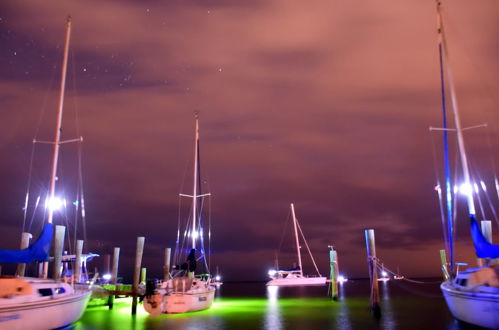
(325, 104)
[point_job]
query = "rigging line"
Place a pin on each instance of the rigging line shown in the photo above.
(30, 174)
(439, 192)
(475, 191)
(77, 209)
(209, 231)
(489, 201)
(306, 244)
(380, 268)
(81, 193)
(34, 213)
(283, 232)
(75, 98)
(177, 242)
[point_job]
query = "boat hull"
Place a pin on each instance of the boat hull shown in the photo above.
(183, 302)
(476, 308)
(297, 281)
(48, 314)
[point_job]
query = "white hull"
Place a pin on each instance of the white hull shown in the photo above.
(189, 302)
(183, 298)
(48, 314)
(297, 281)
(477, 308)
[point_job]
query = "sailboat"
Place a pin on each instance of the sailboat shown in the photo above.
(186, 292)
(40, 303)
(294, 276)
(472, 295)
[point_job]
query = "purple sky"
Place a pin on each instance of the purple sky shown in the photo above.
(324, 104)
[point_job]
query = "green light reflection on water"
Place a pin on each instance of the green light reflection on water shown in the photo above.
(230, 313)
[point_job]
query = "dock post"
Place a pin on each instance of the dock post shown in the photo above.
(58, 247)
(166, 267)
(21, 268)
(373, 272)
(443, 262)
(116, 259)
(333, 274)
(114, 276)
(136, 274)
(486, 227)
(77, 265)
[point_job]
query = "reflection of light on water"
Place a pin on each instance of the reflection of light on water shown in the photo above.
(387, 318)
(343, 316)
(273, 315)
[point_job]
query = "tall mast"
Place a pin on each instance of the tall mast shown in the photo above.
(58, 129)
(195, 190)
(457, 121)
(296, 237)
(448, 189)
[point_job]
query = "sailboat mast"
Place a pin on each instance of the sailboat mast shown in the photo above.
(296, 238)
(457, 120)
(448, 191)
(195, 190)
(57, 139)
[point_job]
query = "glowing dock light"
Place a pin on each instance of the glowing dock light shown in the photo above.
(384, 274)
(341, 279)
(106, 277)
(272, 272)
(218, 278)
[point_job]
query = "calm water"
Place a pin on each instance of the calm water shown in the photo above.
(254, 306)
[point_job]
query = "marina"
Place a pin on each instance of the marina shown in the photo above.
(149, 162)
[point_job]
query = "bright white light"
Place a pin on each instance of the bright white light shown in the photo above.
(107, 276)
(217, 278)
(465, 189)
(484, 188)
(55, 204)
(341, 279)
(384, 274)
(456, 189)
(476, 187)
(272, 272)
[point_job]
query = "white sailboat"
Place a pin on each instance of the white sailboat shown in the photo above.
(185, 292)
(295, 277)
(472, 295)
(35, 303)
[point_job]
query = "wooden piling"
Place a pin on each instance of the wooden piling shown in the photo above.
(58, 247)
(166, 266)
(21, 268)
(373, 272)
(443, 262)
(114, 271)
(333, 274)
(77, 265)
(136, 275)
(486, 227)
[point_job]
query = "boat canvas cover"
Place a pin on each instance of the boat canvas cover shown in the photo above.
(38, 251)
(483, 248)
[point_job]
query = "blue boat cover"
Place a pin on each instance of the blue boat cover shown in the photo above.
(38, 251)
(483, 248)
